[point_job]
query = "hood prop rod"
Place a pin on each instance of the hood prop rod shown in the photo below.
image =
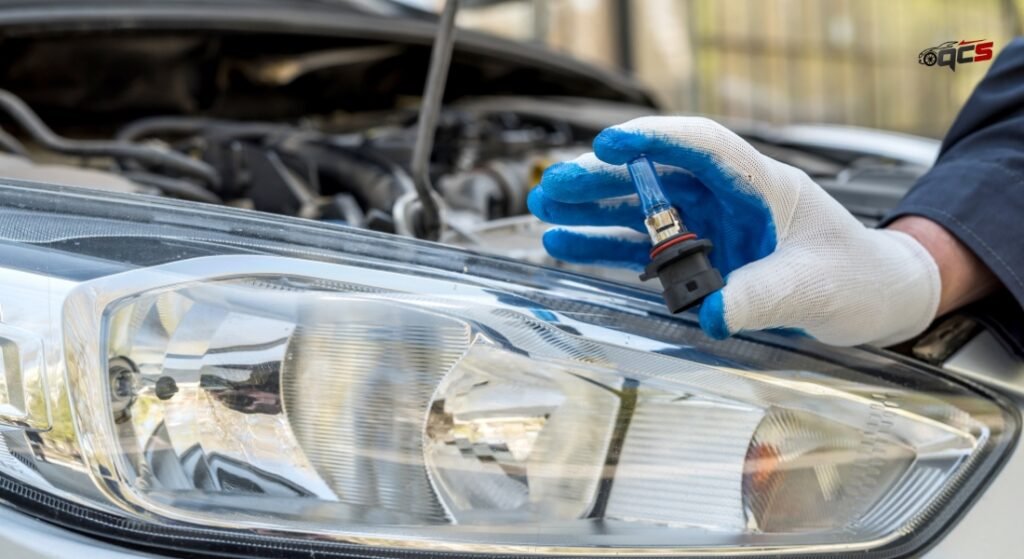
(428, 223)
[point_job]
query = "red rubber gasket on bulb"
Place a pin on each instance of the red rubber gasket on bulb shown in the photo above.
(658, 249)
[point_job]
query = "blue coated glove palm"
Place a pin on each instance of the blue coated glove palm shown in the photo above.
(791, 255)
(590, 192)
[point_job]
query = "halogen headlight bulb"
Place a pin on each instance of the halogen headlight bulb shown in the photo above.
(678, 258)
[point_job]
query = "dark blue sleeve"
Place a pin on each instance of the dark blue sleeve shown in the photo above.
(976, 188)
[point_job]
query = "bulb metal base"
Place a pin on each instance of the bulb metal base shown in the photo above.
(664, 225)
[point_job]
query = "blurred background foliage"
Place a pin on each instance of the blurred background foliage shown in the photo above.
(782, 61)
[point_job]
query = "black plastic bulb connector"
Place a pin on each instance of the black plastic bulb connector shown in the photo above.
(681, 264)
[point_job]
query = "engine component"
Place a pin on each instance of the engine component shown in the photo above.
(92, 148)
(15, 167)
(497, 189)
(483, 166)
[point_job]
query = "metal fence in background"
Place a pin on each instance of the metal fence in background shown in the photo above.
(838, 61)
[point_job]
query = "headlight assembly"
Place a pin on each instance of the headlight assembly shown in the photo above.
(213, 381)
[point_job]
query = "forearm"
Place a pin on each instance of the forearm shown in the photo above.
(964, 277)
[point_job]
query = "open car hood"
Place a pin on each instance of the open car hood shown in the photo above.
(481, 64)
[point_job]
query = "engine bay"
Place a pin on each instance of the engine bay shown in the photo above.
(324, 128)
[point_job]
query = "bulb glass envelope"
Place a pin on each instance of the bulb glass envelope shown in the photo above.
(361, 393)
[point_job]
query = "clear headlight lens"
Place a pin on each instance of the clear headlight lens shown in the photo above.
(227, 381)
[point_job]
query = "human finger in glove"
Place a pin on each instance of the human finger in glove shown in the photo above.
(791, 255)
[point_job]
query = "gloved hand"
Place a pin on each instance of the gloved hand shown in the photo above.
(792, 256)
